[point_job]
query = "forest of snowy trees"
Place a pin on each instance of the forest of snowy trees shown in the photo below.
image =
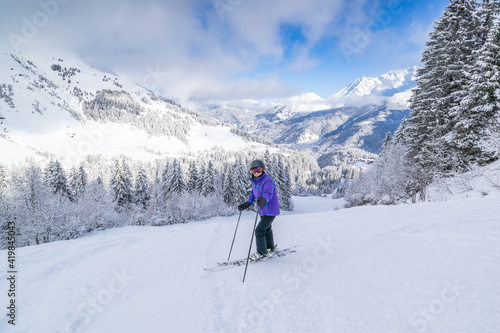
(454, 124)
(49, 202)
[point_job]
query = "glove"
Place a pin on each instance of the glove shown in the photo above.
(244, 206)
(261, 202)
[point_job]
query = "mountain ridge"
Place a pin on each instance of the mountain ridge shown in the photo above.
(65, 109)
(357, 117)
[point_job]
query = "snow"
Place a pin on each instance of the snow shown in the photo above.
(392, 88)
(49, 130)
(427, 267)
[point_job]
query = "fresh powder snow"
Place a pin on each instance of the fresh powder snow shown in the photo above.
(427, 267)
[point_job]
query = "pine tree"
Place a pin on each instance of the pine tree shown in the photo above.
(142, 188)
(201, 179)
(78, 180)
(399, 134)
(441, 86)
(387, 139)
(209, 181)
(55, 179)
(229, 188)
(286, 190)
(165, 181)
(4, 188)
(3, 183)
(121, 185)
(176, 182)
(242, 185)
(482, 104)
(193, 178)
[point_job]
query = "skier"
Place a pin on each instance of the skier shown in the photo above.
(264, 193)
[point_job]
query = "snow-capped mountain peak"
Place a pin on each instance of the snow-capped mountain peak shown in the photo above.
(384, 85)
(304, 102)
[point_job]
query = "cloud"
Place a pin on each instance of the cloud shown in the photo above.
(186, 38)
(191, 50)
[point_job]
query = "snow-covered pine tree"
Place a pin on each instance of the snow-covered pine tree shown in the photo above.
(78, 180)
(165, 182)
(399, 134)
(476, 131)
(55, 179)
(201, 178)
(387, 139)
(142, 188)
(3, 186)
(193, 177)
(228, 187)
(121, 185)
(176, 182)
(209, 180)
(286, 189)
(441, 85)
(242, 185)
(266, 158)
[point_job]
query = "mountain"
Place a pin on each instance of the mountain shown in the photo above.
(65, 109)
(387, 84)
(356, 118)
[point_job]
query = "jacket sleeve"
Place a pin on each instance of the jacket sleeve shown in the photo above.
(251, 198)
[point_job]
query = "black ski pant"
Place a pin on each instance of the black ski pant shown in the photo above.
(264, 234)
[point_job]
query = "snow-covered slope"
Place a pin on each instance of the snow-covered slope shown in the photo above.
(63, 108)
(428, 267)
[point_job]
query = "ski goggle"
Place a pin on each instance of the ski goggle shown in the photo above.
(257, 169)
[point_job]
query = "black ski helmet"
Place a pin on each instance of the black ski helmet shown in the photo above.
(257, 163)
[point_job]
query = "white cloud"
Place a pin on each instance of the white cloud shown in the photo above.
(196, 55)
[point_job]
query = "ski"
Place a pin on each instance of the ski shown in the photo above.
(241, 262)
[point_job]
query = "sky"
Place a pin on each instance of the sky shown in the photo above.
(206, 52)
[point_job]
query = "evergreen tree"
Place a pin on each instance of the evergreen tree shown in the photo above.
(229, 188)
(399, 135)
(121, 185)
(242, 185)
(201, 179)
(78, 180)
(142, 189)
(286, 190)
(193, 178)
(209, 181)
(387, 139)
(3, 184)
(482, 104)
(176, 183)
(441, 86)
(165, 181)
(55, 179)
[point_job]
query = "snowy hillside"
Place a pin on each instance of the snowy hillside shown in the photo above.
(51, 107)
(428, 267)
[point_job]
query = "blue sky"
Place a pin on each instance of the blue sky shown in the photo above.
(207, 51)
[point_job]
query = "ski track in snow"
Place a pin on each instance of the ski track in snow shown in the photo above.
(429, 267)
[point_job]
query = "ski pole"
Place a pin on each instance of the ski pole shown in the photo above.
(231, 250)
(251, 241)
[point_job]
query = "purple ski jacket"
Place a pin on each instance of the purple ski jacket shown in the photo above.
(264, 186)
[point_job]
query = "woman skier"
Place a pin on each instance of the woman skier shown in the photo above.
(264, 193)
